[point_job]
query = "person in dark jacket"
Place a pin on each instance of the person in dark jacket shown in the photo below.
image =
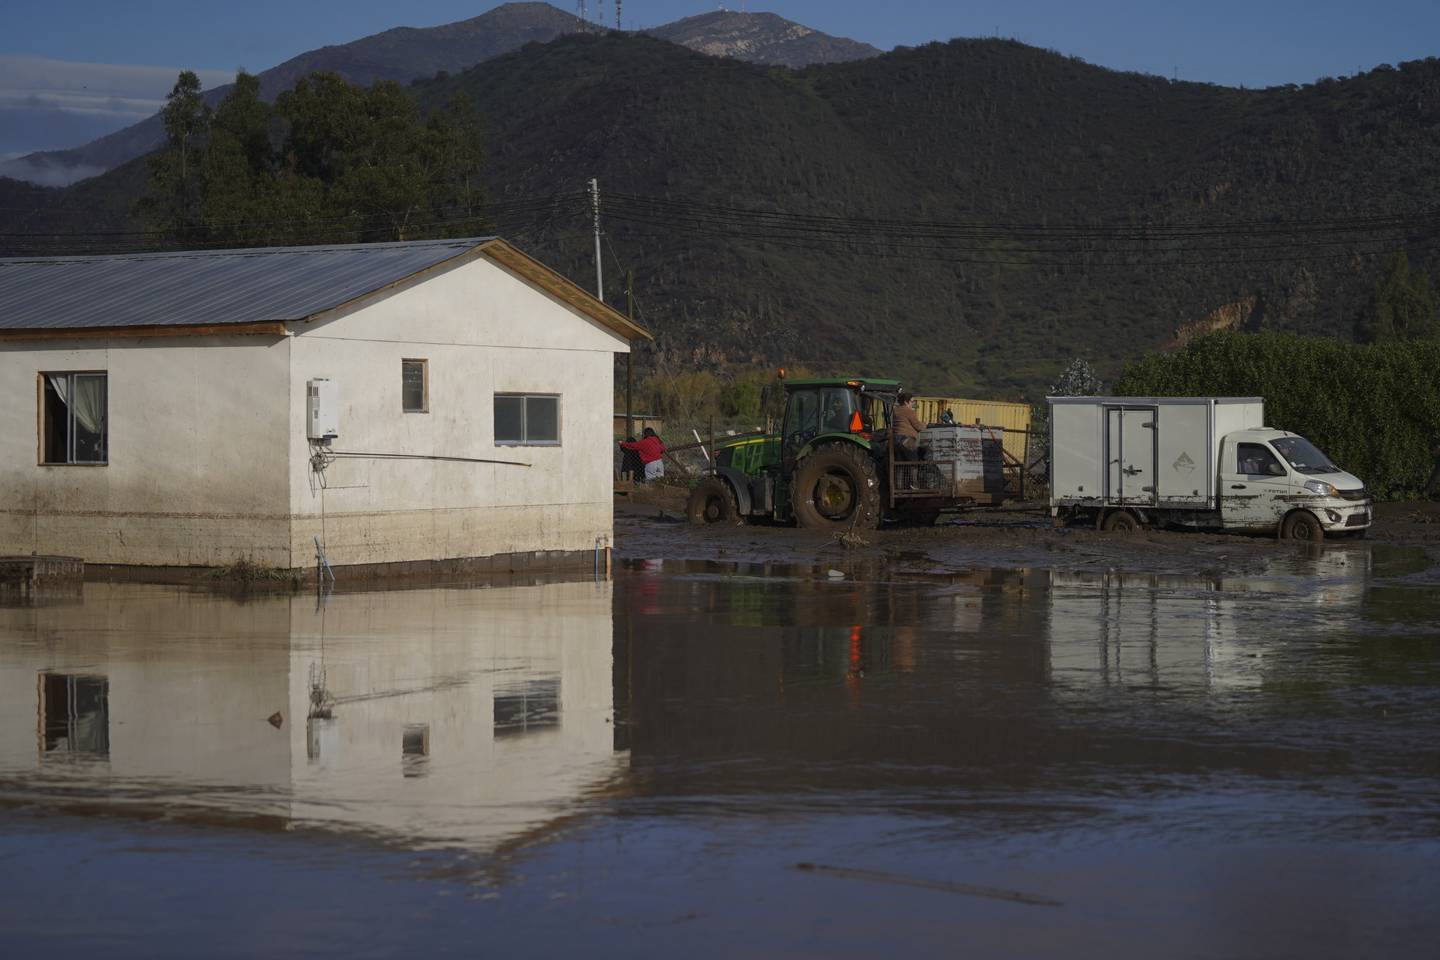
(652, 453)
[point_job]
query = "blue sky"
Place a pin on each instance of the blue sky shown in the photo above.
(45, 104)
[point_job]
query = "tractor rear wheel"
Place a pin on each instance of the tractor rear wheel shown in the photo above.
(836, 488)
(713, 501)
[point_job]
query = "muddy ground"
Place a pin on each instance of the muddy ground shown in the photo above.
(650, 524)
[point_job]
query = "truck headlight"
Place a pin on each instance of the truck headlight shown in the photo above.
(1320, 488)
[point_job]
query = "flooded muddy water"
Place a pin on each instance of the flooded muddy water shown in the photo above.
(733, 760)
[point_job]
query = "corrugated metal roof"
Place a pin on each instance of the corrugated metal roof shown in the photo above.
(206, 287)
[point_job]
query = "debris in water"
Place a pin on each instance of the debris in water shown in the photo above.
(945, 886)
(836, 575)
(851, 540)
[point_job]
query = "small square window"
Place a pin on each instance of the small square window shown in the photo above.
(74, 418)
(415, 749)
(527, 419)
(415, 740)
(415, 386)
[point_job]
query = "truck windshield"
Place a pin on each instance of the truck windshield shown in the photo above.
(1304, 456)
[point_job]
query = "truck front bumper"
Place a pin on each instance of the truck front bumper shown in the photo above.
(1344, 516)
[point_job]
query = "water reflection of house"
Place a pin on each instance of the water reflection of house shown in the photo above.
(464, 716)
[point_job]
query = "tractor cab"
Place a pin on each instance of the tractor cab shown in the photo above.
(820, 411)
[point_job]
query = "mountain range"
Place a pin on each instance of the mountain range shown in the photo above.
(966, 215)
(403, 54)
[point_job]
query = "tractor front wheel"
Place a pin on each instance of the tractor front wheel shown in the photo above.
(713, 501)
(836, 489)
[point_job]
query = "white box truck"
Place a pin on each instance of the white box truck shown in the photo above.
(1206, 463)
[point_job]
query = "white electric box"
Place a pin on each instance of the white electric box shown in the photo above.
(322, 409)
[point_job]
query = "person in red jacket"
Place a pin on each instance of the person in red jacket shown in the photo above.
(651, 451)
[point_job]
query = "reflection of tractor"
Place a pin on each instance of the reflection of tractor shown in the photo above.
(834, 464)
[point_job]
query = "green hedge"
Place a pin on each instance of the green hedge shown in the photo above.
(1374, 408)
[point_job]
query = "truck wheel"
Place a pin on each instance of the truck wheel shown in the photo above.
(836, 488)
(1120, 521)
(713, 501)
(1302, 525)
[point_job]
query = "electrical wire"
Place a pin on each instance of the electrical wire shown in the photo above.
(961, 242)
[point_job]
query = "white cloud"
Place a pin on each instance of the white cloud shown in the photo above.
(47, 175)
(110, 94)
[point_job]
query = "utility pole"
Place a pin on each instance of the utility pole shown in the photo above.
(595, 209)
(630, 354)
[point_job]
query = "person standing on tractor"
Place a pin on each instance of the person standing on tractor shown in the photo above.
(907, 428)
(652, 453)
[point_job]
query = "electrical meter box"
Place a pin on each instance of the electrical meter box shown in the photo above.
(323, 409)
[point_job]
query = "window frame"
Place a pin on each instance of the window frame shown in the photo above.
(1267, 452)
(525, 440)
(424, 384)
(40, 384)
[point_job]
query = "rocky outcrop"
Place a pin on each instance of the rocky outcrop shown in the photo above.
(761, 38)
(1231, 316)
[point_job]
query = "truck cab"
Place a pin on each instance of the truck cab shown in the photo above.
(1267, 476)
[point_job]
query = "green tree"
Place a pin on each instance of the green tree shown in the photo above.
(1078, 379)
(1374, 408)
(391, 173)
(328, 162)
(175, 199)
(238, 189)
(1402, 306)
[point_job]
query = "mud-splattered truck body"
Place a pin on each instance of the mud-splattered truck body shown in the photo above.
(1199, 462)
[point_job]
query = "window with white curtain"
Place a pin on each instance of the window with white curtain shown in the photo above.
(74, 418)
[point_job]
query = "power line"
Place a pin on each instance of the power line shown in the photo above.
(974, 242)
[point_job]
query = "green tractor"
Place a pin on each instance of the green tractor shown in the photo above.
(833, 466)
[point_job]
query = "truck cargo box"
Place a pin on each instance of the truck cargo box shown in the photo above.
(1150, 451)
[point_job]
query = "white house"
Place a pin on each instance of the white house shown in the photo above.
(154, 407)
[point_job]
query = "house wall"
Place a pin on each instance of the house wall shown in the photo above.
(482, 330)
(198, 470)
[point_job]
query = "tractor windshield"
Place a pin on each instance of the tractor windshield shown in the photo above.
(838, 407)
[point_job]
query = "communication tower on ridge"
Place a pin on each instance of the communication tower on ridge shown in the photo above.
(581, 13)
(617, 14)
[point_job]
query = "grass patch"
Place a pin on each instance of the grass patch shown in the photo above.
(245, 570)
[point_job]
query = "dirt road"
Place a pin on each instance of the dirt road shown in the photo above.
(650, 524)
